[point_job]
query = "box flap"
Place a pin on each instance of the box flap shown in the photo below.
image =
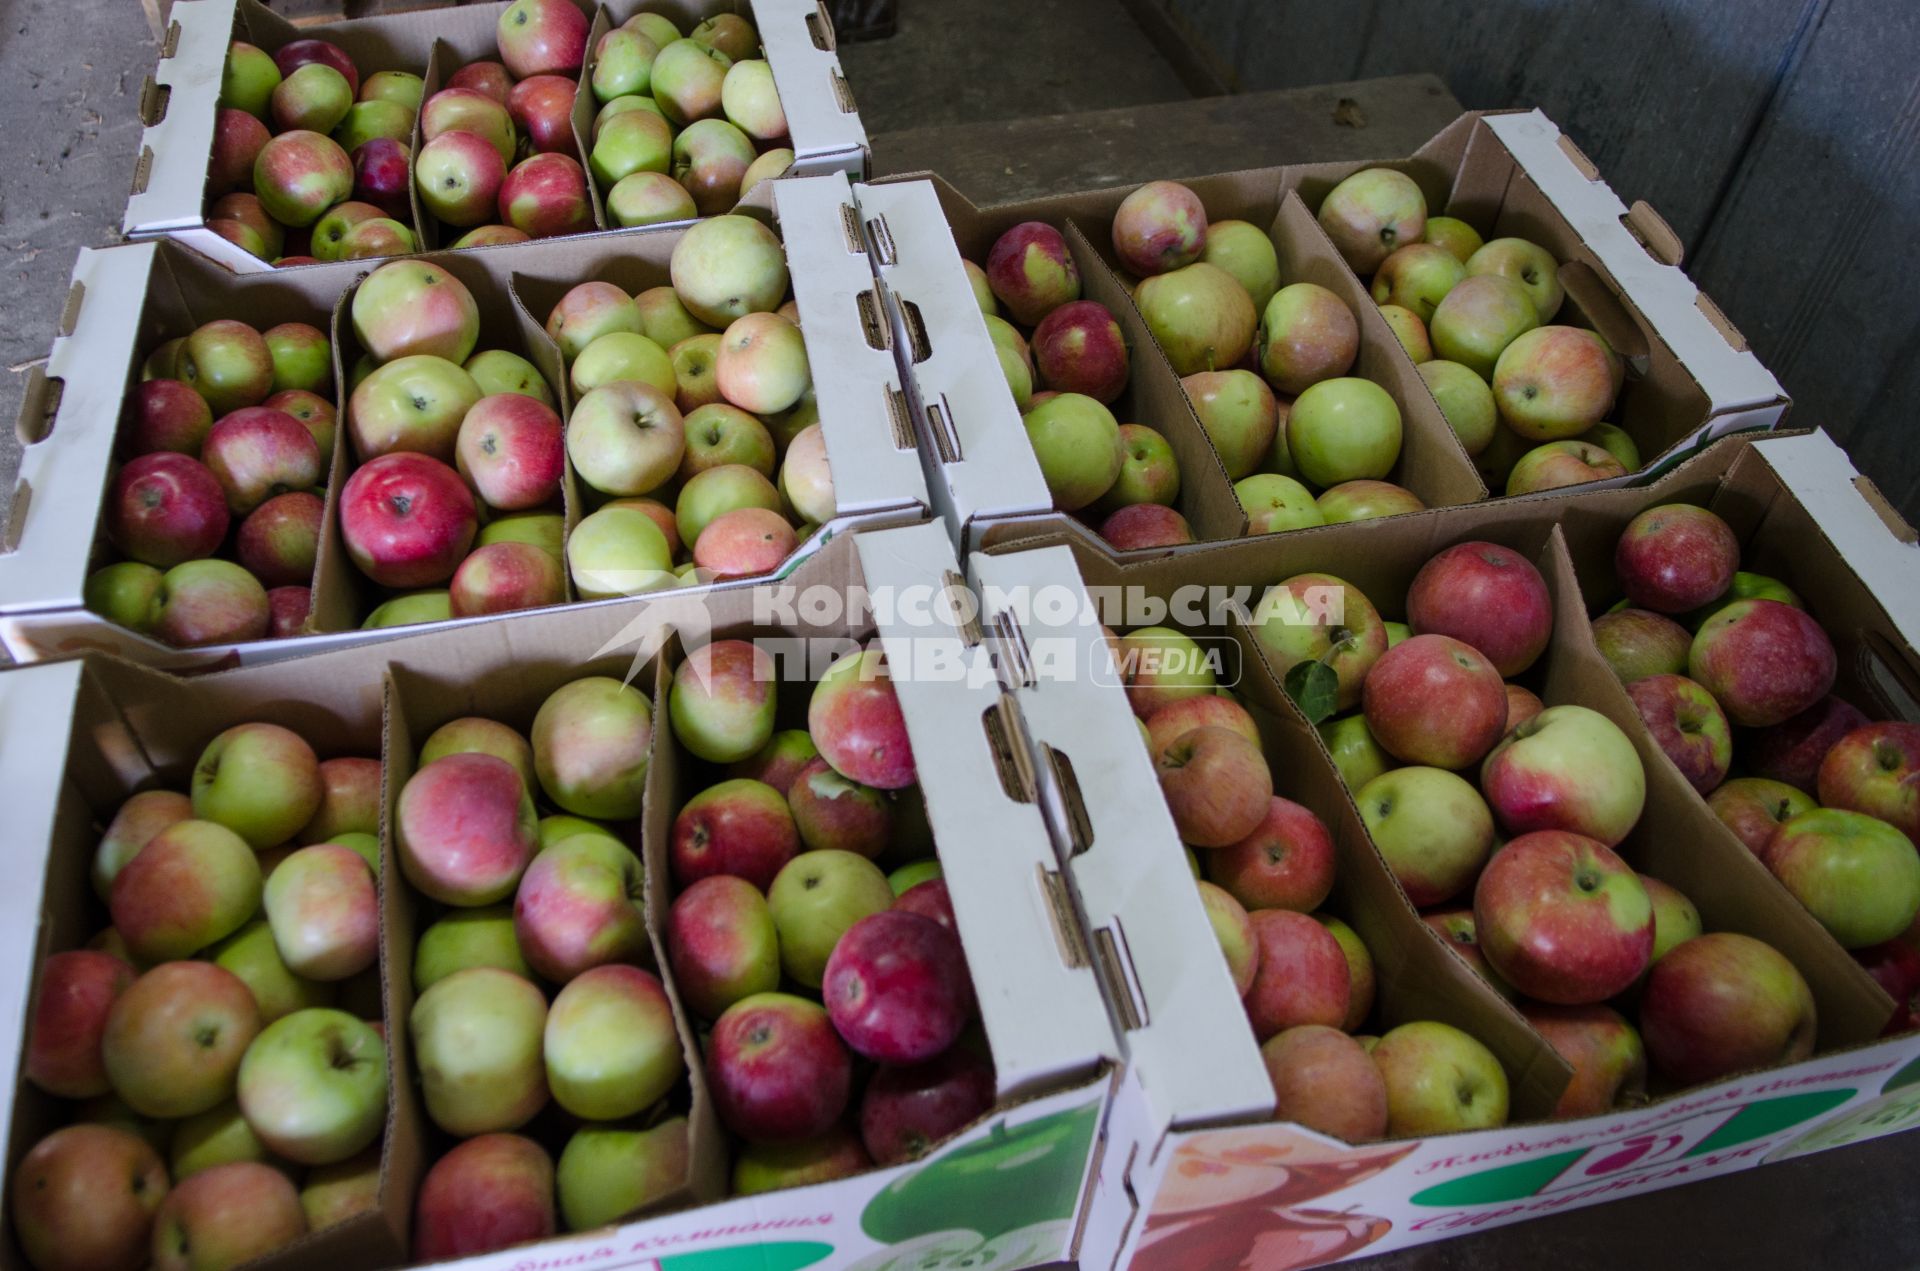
(175, 149)
(796, 37)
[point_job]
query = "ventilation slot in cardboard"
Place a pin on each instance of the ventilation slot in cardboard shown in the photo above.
(1578, 158)
(946, 442)
(1720, 322)
(900, 419)
(143, 170)
(1653, 233)
(1079, 825)
(1888, 514)
(880, 234)
(964, 608)
(171, 44)
(1066, 922)
(820, 28)
(850, 230)
(153, 102)
(39, 407)
(1891, 678)
(1005, 741)
(843, 92)
(17, 515)
(872, 323)
(1115, 969)
(70, 312)
(1015, 657)
(918, 342)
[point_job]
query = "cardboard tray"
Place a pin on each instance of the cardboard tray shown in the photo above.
(180, 98)
(83, 735)
(127, 299)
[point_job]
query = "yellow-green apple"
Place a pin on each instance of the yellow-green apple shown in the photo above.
(242, 219)
(1559, 464)
(166, 509)
(622, 355)
(1639, 643)
(829, 811)
(1554, 383)
(324, 914)
(542, 37)
(544, 530)
(1675, 919)
(1794, 749)
(1745, 586)
(545, 195)
(488, 1193)
(710, 159)
(1616, 441)
(194, 883)
(1078, 348)
(225, 1216)
(366, 121)
(722, 942)
(578, 907)
(459, 176)
(1234, 930)
(1457, 928)
(1365, 500)
(1342, 430)
(313, 1086)
(905, 1110)
(912, 874)
(1439, 1080)
(1320, 618)
(1609, 1061)
(1764, 661)
(331, 230)
(806, 474)
(1177, 718)
(723, 700)
(1160, 666)
(1360, 973)
(607, 1172)
(856, 721)
(465, 829)
(1149, 472)
(1489, 596)
(414, 307)
(127, 593)
(280, 539)
(473, 735)
(664, 319)
(383, 176)
(789, 425)
(75, 991)
(291, 56)
(591, 740)
(728, 32)
(1478, 319)
(414, 403)
(1077, 443)
(740, 828)
(1858, 875)
(1410, 332)
(1287, 862)
(346, 1189)
(815, 898)
(166, 415)
(1435, 700)
(251, 955)
(541, 107)
(1454, 234)
(587, 312)
(618, 551)
(226, 362)
(777, 1070)
(1217, 786)
(211, 602)
(1032, 272)
(1245, 251)
(622, 64)
(407, 520)
(693, 371)
(649, 198)
(1202, 318)
(1143, 525)
(1724, 1003)
(498, 371)
(611, 1047)
(1675, 557)
(779, 761)
(1527, 264)
(1417, 277)
(1356, 755)
(174, 1038)
(237, 141)
(134, 824)
(1371, 214)
(218, 1136)
(1240, 415)
(312, 410)
(1688, 726)
(1302, 976)
(462, 108)
(1875, 769)
(762, 365)
(687, 80)
(1567, 768)
(367, 846)
(504, 578)
(1326, 1081)
(1563, 919)
(257, 452)
(1432, 828)
(509, 450)
(1160, 227)
(298, 175)
(1464, 400)
(625, 438)
(477, 1038)
(896, 987)
(465, 938)
(414, 607)
(1754, 807)
(302, 357)
(982, 289)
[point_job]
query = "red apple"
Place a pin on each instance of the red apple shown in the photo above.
(490, 79)
(174, 1038)
(1522, 705)
(831, 812)
(1217, 786)
(1488, 596)
(1326, 1081)
(1462, 934)
(509, 450)
(505, 578)
(1687, 725)
(1303, 977)
(1675, 557)
(1176, 719)
(287, 611)
(167, 415)
(777, 1070)
(1763, 661)
(543, 37)
(165, 509)
(1639, 642)
(237, 141)
(84, 1199)
(1567, 768)
(1562, 918)
(896, 988)
(350, 800)
(1753, 807)
(1724, 1003)
(383, 176)
(1876, 770)
(313, 411)
(738, 827)
(546, 195)
(407, 520)
(211, 602)
(721, 939)
(257, 452)
(905, 1111)
(1792, 750)
(464, 829)
(488, 1193)
(1032, 272)
(542, 107)
(856, 722)
(280, 539)
(299, 175)
(1145, 525)
(1078, 348)
(294, 54)
(1435, 700)
(578, 907)
(1608, 1060)
(1159, 227)
(76, 990)
(744, 542)
(1286, 863)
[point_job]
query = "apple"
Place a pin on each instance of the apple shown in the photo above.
(459, 177)
(498, 371)
(1410, 332)
(896, 987)
(1160, 227)
(1371, 214)
(1675, 919)
(622, 64)
(1180, 716)
(259, 780)
(505, 578)
(75, 991)
(174, 1038)
(741, 828)
(1639, 644)
(247, 78)
(762, 366)
(578, 907)
(167, 415)
(1745, 586)
(1355, 754)
(1488, 596)
(1763, 661)
(414, 403)
(1563, 919)
(1287, 862)
(1202, 319)
(1417, 277)
(257, 452)
(238, 138)
(1326, 1081)
(1032, 272)
(1307, 334)
(1078, 348)
(228, 363)
(1145, 525)
(414, 307)
(489, 79)
(1875, 769)
(509, 450)
(1793, 750)
(300, 174)
(591, 741)
(226, 1216)
(323, 912)
(1343, 429)
(1724, 1003)
(1608, 1059)
(401, 87)
(1567, 768)
(1240, 415)
(316, 413)
(722, 942)
(1527, 264)
(1365, 500)
(313, 96)
(727, 267)
(723, 701)
(165, 509)
(406, 610)
(1160, 666)
(855, 719)
(367, 121)
(407, 520)
(1688, 726)
(777, 1071)
(126, 593)
(472, 735)
(546, 195)
(1435, 700)
(1465, 401)
(611, 1047)
(1302, 976)
(625, 438)
(1245, 251)
(487, 1193)
(779, 761)
(830, 811)
(251, 956)
(618, 551)
(806, 475)
(1431, 827)
(729, 33)
(541, 107)
(1234, 930)
(1077, 443)
(1479, 317)
(477, 1037)
(134, 824)
(464, 829)
(242, 219)
(905, 1111)
(587, 312)
(1559, 464)
(1858, 876)
(313, 1085)
(294, 54)
(544, 530)
(1554, 383)
(693, 369)
(608, 1172)
(688, 78)
(622, 355)
(648, 198)
(815, 898)
(542, 37)
(664, 319)
(710, 159)
(1457, 928)
(1675, 557)
(209, 602)
(1320, 618)
(1753, 807)
(85, 1197)
(1439, 1080)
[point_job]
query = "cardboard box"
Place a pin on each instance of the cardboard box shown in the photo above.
(127, 299)
(994, 491)
(179, 101)
(1212, 1185)
(85, 734)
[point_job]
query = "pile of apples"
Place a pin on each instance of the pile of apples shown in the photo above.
(310, 162)
(708, 128)
(1558, 920)
(1306, 977)
(199, 1037)
(1528, 399)
(1728, 669)
(839, 1009)
(216, 506)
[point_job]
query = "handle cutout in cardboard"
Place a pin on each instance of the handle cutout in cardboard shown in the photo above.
(1079, 827)
(154, 99)
(17, 514)
(39, 406)
(1065, 919)
(946, 438)
(1578, 157)
(820, 28)
(1114, 965)
(880, 234)
(873, 325)
(1653, 233)
(1006, 742)
(919, 343)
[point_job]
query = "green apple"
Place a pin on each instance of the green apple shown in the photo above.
(607, 1172)
(1432, 828)
(477, 1039)
(1528, 264)
(1342, 430)
(1240, 414)
(611, 1047)
(1417, 278)
(629, 142)
(767, 1167)
(623, 355)
(1410, 332)
(1077, 444)
(1245, 251)
(727, 267)
(1275, 503)
(1616, 441)
(618, 551)
(717, 491)
(1356, 755)
(1320, 618)
(1397, 634)
(909, 876)
(409, 608)
(1439, 1080)
(1559, 464)
(402, 87)
(1458, 237)
(251, 955)
(248, 78)
(1366, 501)
(1016, 361)
(1465, 400)
(664, 319)
(346, 1189)
(1479, 318)
(127, 593)
(1201, 316)
(472, 735)
(498, 371)
(649, 198)
(559, 827)
(365, 120)
(218, 1136)
(365, 844)
(1160, 666)
(261, 781)
(313, 1086)
(468, 938)
(815, 897)
(542, 529)
(591, 742)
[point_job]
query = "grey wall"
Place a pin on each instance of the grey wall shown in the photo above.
(1778, 137)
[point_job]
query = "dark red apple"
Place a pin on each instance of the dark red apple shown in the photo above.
(738, 827)
(896, 987)
(407, 520)
(287, 609)
(1078, 348)
(383, 176)
(542, 108)
(1687, 725)
(1763, 661)
(1142, 525)
(1302, 976)
(294, 54)
(777, 1070)
(1675, 558)
(1562, 918)
(1435, 700)
(165, 509)
(1286, 863)
(1488, 596)
(1791, 750)
(905, 1111)
(280, 539)
(167, 415)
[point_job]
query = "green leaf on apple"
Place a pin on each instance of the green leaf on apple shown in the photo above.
(1315, 689)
